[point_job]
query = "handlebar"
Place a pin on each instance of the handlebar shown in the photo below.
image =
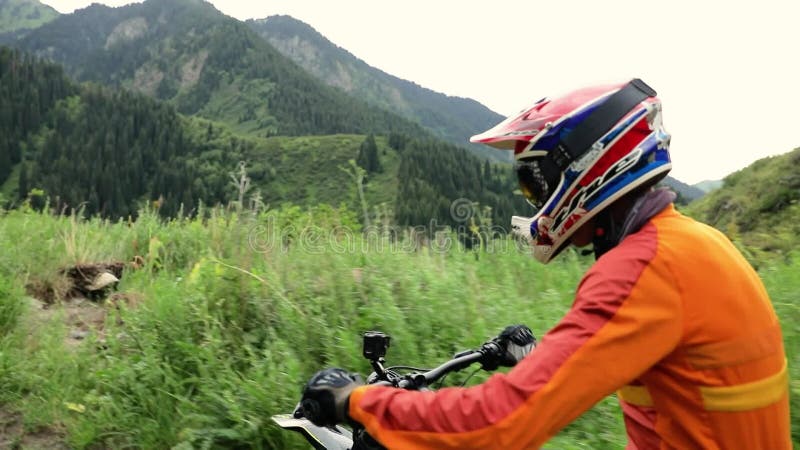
(490, 355)
(509, 347)
(486, 355)
(454, 365)
(420, 380)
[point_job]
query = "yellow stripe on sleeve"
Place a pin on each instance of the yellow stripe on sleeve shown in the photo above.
(747, 396)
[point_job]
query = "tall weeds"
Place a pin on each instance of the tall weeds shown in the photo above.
(237, 309)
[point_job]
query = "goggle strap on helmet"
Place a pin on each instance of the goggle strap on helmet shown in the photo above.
(599, 122)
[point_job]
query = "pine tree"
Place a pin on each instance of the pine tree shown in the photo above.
(22, 187)
(5, 164)
(397, 141)
(368, 156)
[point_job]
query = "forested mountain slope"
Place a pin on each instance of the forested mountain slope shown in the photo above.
(111, 151)
(103, 150)
(454, 119)
(205, 63)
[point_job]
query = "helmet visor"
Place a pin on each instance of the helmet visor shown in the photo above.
(532, 182)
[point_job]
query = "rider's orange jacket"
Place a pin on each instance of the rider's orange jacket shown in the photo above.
(673, 320)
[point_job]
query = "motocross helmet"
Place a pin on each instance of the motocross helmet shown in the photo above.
(578, 153)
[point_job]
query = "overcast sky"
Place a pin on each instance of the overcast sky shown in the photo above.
(726, 71)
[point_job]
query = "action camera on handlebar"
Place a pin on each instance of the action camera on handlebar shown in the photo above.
(375, 345)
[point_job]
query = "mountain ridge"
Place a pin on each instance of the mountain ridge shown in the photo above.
(452, 118)
(20, 15)
(708, 186)
(686, 193)
(190, 54)
(330, 62)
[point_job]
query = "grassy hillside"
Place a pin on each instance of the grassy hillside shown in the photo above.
(19, 15)
(225, 318)
(451, 118)
(420, 180)
(313, 169)
(758, 206)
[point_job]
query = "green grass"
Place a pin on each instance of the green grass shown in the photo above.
(231, 318)
(783, 284)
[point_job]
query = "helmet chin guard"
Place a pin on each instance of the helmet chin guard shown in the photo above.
(521, 227)
(586, 150)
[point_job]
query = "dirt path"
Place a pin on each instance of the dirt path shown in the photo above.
(83, 305)
(82, 317)
(14, 436)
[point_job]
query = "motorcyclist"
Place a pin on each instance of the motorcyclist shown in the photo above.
(670, 317)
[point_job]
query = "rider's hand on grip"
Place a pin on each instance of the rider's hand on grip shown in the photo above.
(515, 342)
(326, 396)
(519, 341)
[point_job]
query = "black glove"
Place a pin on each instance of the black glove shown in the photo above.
(519, 341)
(326, 396)
(514, 343)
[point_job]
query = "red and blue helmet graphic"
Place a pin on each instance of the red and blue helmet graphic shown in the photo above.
(635, 151)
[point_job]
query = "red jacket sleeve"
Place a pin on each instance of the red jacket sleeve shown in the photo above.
(625, 318)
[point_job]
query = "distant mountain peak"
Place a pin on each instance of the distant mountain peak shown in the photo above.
(288, 27)
(709, 185)
(188, 53)
(454, 119)
(19, 15)
(285, 19)
(686, 193)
